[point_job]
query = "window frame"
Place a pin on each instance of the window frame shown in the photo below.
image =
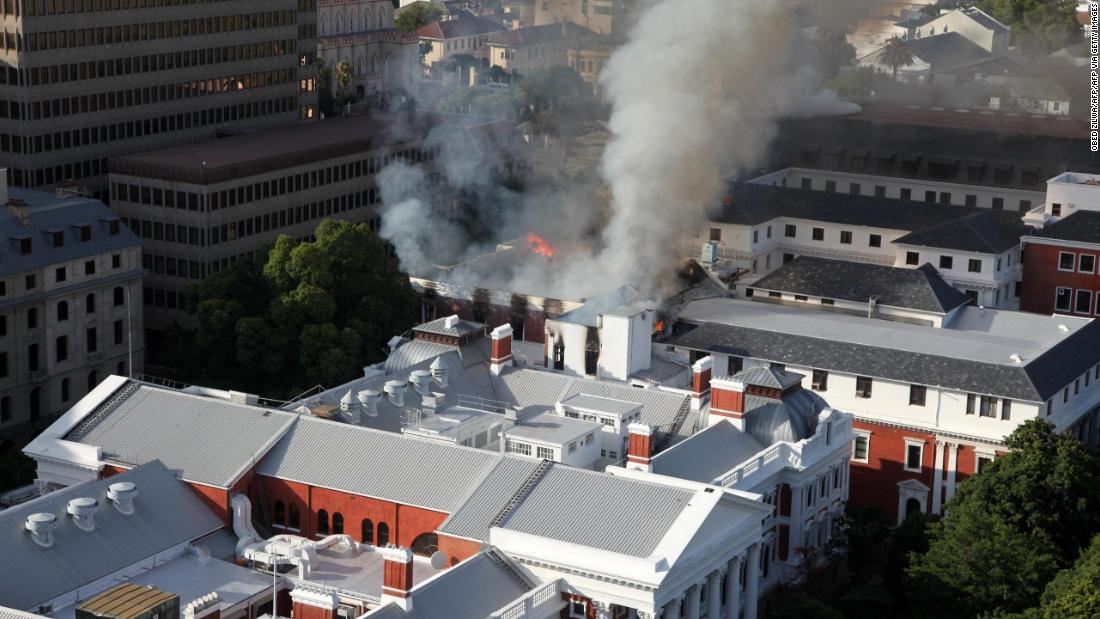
(919, 444)
(1069, 299)
(1080, 263)
(819, 380)
(864, 393)
(1072, 261)
(918, 390)
(866, 436)
(912, 258)
(1078, 295)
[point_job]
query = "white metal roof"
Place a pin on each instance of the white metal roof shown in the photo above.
(552, 429)
(203, 439)
(378, 464)
(474, 516)
(166, 514)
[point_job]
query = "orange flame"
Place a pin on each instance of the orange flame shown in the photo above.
(539, 245)
(659, 326)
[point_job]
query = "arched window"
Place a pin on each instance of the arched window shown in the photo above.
(337, 523)
(89, 303)
(383, 534)
(425, 544)
(280, 513)
(324, 24)
(322, 522)
(62, 310)
(93, 379)
(367, 532)
(120, 296)
(294, 519)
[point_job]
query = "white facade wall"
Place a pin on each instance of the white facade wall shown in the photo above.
(1073, 191)
(525, 59)
(892, 187)
(994, 285)
(884, 312)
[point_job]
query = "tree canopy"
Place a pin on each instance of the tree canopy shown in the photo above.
(896, 54)
(313, 313)
(1010, 529)
(1039, 26)
(1075, 593)
(416, 15)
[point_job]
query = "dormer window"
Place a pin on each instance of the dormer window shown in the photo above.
(85, 233)
(58, 239)
(24, 246)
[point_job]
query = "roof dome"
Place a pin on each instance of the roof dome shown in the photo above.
(792, 419)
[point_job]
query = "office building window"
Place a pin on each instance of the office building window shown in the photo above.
(914, 455)
(863, 387)
(917, 394)
(1086, 263)
(1083, 302)
(1066, 261)
(820, 381)
(974, 265)
(819, 234)
(946, 262)
(912, 258)
(1062, 298)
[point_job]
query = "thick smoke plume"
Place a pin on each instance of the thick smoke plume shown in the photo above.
(695, 94)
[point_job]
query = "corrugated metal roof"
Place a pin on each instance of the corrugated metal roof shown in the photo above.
(413, 353)
(11, 613)
(166, 514)
(378, 464)
(473, 517)
(204, 439)
(708, 454)
(597, 510)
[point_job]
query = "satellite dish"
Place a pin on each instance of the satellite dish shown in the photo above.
(439, 560)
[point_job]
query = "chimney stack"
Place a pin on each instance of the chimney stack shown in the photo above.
(397, 581)
(727, 401)
(700, 381)
(641, 447)
(502, 348)
(310, 603)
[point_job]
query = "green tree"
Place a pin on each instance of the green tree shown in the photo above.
(1075, 593)
(896, 54)
(1040, 26)
(341, 76)
(325, 102)
(312, 313)
(1009, 529)
(417, 14)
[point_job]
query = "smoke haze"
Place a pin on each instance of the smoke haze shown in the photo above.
(695, 94)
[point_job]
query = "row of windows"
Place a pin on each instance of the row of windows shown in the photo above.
(62, 7)
(290, 518)
(918, 395)
(152, 31)
(61, 310)
(137, 128)
(911, 165)
(84, 104)
(61, 348)
(905, 193)
(305, 181)
(30, 281)
(914, 453)
(1081, 263)
(1078, 302)
(973, 265)
(56, 238)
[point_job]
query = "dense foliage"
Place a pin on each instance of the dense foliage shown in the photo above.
(314, 314)
(1019, 540)
(417, 14)
(1039, 26)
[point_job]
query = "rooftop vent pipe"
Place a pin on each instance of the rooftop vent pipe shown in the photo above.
(450, 322)
(368, 399)
(41, 526)
(421, 381)
(83, 511)
(122, 495)
(347, 402)
(395, 390)
(439, 372)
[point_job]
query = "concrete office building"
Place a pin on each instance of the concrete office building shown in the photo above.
(70, 282)
(201, 207)
(86, 81)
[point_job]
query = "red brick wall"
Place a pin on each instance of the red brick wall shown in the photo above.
(501, 349)
(727, 400)
(217, 499)
(305, 611)
(110, 471)
(875, 483)
(569, 597)
(700, 382)
(458, 549)
(1041, 277)
(405, 522)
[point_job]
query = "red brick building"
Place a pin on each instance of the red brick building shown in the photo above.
(1062, 267)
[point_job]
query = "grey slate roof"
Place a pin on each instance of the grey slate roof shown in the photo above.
(156, 423)
(979, 232)
(907, 353)
(166, 514)
(475, 515)
(378, 464)
(438, 327)
(48, 214)
(920, 289)
(752, 204)
(708, 454)
(768, 377)
(473, 589)
(1080, 226)
(945, 51)
(597, 510)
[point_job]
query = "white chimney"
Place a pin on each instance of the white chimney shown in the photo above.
(421, 381)
(450, 322)
(395, 390)
(83, 511)
(368, 400)
(122, 495)
(439, 372)
(41, 526)
(347, 403)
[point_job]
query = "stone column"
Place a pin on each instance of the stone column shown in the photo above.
(952, 466)
(733, 588)
(714, 595)
(752, 575)
(672, 609)
(937, 478)
(692, 603)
